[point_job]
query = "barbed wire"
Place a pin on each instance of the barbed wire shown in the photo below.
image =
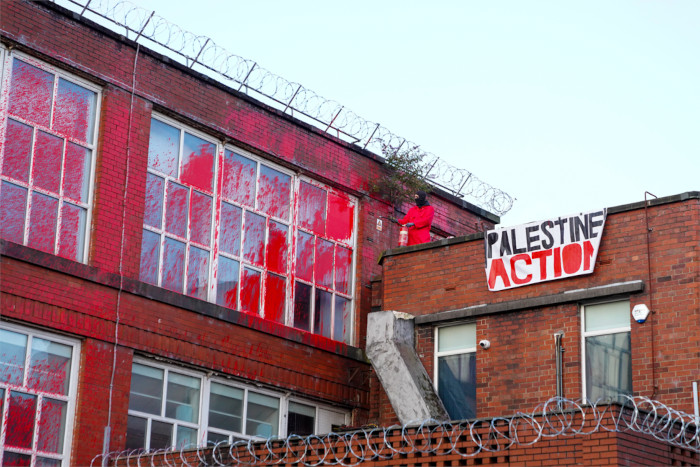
(215, 61)
(467, 438)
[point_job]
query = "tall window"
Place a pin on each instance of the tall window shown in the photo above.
(47, 158)
(37, 394)
(455, 355)
(224, 226)
(607, 362)
(169, 407)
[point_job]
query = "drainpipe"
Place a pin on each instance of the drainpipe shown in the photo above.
(558, 354)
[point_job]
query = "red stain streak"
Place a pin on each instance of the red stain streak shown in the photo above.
(239, 179)
(323, 263)
(312, 208)
(47, 161)
(18, 145)
(176, 209)
(275, 298)
(74, 111)
(250, 291)
(343, 262)
(277, 247)
(273, 193)
(341, 214)
(30, 93)
(42, 222)
(200, 215)
(13, 202)
(198, 163)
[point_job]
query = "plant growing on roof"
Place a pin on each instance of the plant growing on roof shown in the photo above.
(405, 175)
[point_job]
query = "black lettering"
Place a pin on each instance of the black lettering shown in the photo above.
(532, 239)
(514, 241)
(546, 225)
(505, 245)
(491, 239)
(580, 227)
(592, 223)
(561, 223)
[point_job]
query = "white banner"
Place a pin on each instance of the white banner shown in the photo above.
(543, 251)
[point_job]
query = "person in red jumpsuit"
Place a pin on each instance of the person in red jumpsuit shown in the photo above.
(418, 219)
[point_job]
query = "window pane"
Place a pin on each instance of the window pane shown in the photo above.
(46, 462)
(239, 178)
(312, 208)
(135, 432)
(49, 366)
(323, 263)
(176, 209)
(342, 328)
(186, 437)
(200, 226)
(262, 415)
(226, 407)
(302, 306)
(51, 428)
(198, 162)
(173, 264)
(18, 147)
(273, 194)
(16, 460)
(163, 148)
(275, 298)
(20, 420)
(216, 438)
(42, 222)
(230, 238)
(254, 239)
(343, 264)
(13, 203)
(153, 209)
(13, 349)
(74, 114)
(305, 256)
(150, 250)
(341, 215)
(462, 336)
(30, 93)
(323, 303)
(227, 285)
(146, 393)
(77, 171)
(198, 273)
(161, 435)
(72, 239)
(183, 398)
(277, 247)
(608, 366)
(250, 291)
(301, 419)
(48, 151)
(607, 316)
(457, 385)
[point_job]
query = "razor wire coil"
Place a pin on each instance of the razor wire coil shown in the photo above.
(466, 438)
(246, 75)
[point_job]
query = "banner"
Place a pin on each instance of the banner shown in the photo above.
(543, 251)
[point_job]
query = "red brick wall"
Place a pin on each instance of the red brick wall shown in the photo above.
(518, 371)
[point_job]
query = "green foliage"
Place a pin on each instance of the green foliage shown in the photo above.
(405, 176)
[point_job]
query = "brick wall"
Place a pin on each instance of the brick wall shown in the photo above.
(518, 371)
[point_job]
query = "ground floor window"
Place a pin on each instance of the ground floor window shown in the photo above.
(455, 355)
(175, 407)
(607, 349)
(38, 380)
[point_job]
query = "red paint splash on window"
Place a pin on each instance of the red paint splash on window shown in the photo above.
(227, 285)
(341, 214)
(250, 291)
(18, 146)
(239, 178)
(198, 273)
(275, 298)
(200, 213)
(343, 263)
(254, 238)
(312, 208)
(164, 148)
(305, 256)
(31, 93)
(198, 162)
(277, 247)
(13, 202)
(323, 264)
(74, 111)
(150, 251)
(176, 209)
(273, 192)
(153, 212)
(77, 172)
(230, 236)
(47, 161)
(173, 264)
(42, 222)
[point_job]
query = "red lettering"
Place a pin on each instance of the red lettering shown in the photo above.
(497, 270)
(572, 256)
(513, 274)
(557, 262)
(588, 251)
(542, 256)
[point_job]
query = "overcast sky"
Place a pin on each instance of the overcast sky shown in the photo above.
(567, 106)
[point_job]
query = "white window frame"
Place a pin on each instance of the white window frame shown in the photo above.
(6, 76)
(69, 398)
(461, 351)
(585, 334)
(206, 381)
